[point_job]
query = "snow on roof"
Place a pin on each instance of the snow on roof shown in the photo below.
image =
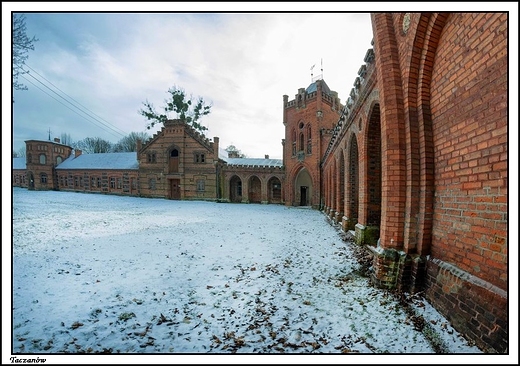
(253, 162)
(222, 154)
(19, 163)
(115, 161)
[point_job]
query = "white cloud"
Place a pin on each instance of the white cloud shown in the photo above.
(241, 63)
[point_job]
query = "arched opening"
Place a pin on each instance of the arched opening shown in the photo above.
(255, 190)
(341, 184)
(274, 190)
(353, 185)
(235, 189)
(30, 176)
(303, 188)
(173, 163)
(374, 174)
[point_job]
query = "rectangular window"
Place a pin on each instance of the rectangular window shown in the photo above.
(92, 182)
(200, 158)
(151, 183)
(134, 183)
(201, 185)
(112, 182)
(119, 183)
(152, 158)
(76, 181)
(99, 182)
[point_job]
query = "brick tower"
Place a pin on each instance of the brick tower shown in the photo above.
(308, 121)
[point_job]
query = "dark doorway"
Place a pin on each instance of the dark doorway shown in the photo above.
(303, 196)
(175, 189)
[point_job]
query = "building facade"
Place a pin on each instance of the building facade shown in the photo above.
(414, 165)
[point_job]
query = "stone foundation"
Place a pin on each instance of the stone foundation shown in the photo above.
(366, 235)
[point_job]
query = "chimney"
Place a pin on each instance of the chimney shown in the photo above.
(139, 144)
(77, 153)
(57, 139)
(267, 156)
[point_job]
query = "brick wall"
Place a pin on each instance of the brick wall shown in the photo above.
(469, 109)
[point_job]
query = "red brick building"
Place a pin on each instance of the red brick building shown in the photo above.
(177, 163)
(417, 164)
(413, 165)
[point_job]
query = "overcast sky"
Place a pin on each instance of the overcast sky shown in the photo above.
(108, 64)
(91, 70)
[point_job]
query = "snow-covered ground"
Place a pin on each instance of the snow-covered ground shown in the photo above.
(101, 274)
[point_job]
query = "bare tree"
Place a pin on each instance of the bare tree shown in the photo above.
(66, 139)
(129, 143)
(93, 145)
(20, 153)
(233, 152)
(22, 44)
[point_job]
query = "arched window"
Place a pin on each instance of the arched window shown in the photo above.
(293, 142)
(174, 161)
(309, 139)
(301, 142)
(58, 160)
(43, 159)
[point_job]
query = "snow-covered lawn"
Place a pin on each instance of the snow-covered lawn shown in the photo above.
(107, 274)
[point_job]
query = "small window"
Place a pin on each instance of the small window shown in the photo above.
(119, 183)
(43, 178)
(58, 160)
(152, 157)
(151, 183)
(112, 182)
(43, 159)
(99, 182)
(201, 185)
(200, 158)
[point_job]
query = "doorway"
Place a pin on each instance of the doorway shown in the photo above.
(303, 196)
(175, 189)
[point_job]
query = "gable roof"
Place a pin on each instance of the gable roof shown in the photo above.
(109, 161)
